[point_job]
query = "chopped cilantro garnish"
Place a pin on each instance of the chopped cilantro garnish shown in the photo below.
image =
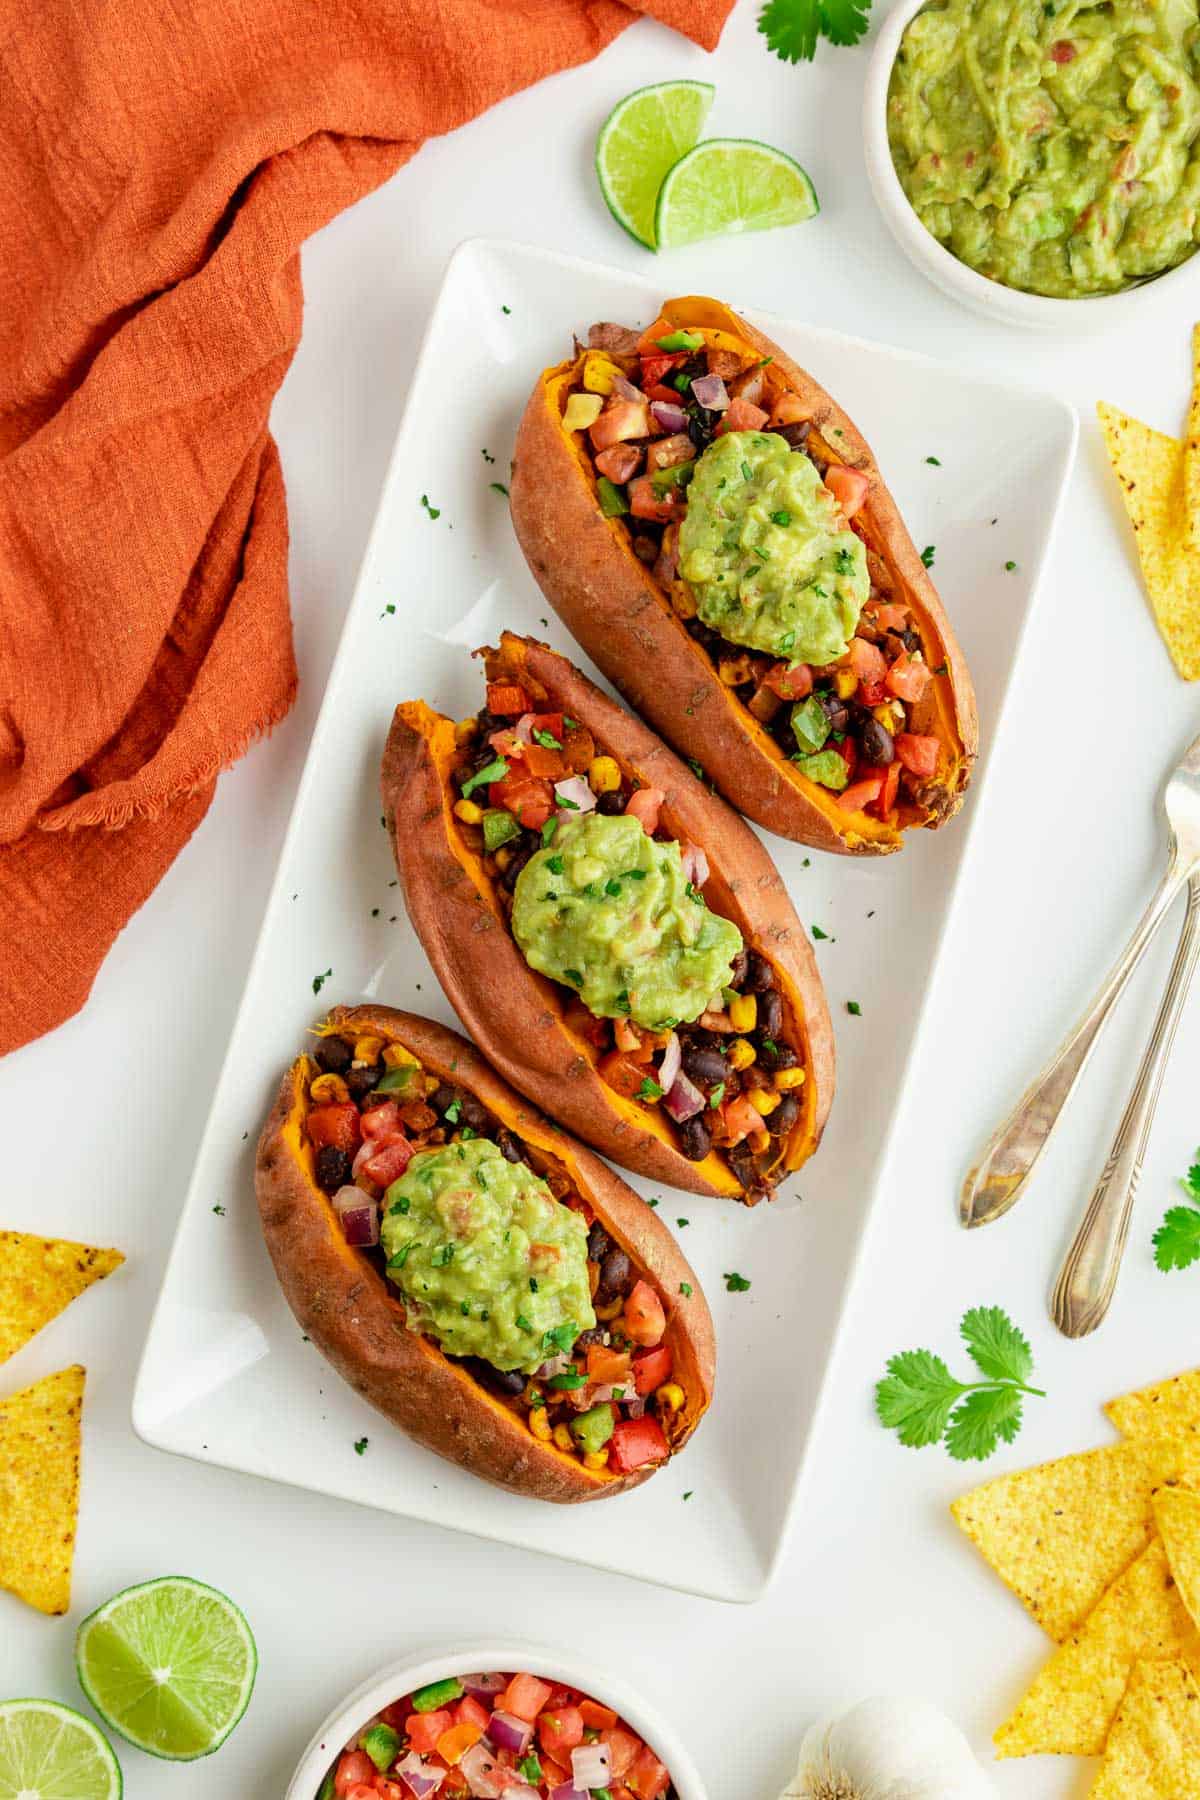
(649, 1090)
(717, 1095)
(736, 1284)
(493, 771)
(854, 1008)
(435, 512)
(927, 556)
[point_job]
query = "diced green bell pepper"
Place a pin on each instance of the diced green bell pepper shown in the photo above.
(498, 827)
(612, 501)
(810, 725)
(593, 1428)
(382, 1745)
(438, 1693)
(827, 767)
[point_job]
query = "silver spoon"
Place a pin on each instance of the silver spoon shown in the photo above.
(998, 1179)
(1088, 1278)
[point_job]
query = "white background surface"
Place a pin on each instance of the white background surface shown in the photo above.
(877, 1590)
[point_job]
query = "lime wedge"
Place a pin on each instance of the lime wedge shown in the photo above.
(731, 184)
(643, 136)
(48, 1752)
(170, 1665)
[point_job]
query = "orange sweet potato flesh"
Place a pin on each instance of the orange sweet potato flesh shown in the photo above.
(516, 1015)
(356, 1317)
(613, 605)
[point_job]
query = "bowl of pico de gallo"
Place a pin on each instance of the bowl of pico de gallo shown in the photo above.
(495, 1722)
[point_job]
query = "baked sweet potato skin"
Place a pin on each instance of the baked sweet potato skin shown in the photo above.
(356, 1318)
(517, 1015)
(613, 605)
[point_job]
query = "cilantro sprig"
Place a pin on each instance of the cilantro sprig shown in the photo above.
(792, 27)
(925, 1404)
(1177, 1240)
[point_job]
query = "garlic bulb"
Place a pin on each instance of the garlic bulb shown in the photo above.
(888, 1750)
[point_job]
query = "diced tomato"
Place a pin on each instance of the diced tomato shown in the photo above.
(354, 1767)
(645, 1320)
(645, 503)
(651, 1368)
(339, 1125)
(789, 409)
(606, 1366)
(622, 1749)
(395, 1714)
(524, 1697)
(507, 697)
(849, 487)
(621, 463)
(908, 679)
(529, 798)
(470, 1712)
(671, 395)
(1063, 51)
(919, 754)
(668, 452)
(455, 1786)
(739, 1119)
(871, 693)
(892, 617)
(867, 661)
(360, 1791)
(544, 762)
(648, 1778)
(391, 1790)
(560, 1730)
(645, 804)
(622, 1073)
(742, 416)
(453, 1744)
(887, 794)
(791, 681)
(636, 1442)
(635, 1041)
(424, 1729)
(382, 1122)
(860, 793)
(648, 342)
(388, 1163)
(597, 1717)
(621, 419)
(657, 366)
(506, 743)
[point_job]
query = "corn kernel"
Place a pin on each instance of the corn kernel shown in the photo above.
(743, 1012)
(563, 1438)
(395, 1056)
(845, 681)
(604, 777)
(789, 1078)
(759, 1140)
(468, 812)
(465, 730)
(329, 1090)
(599, 374)
(605, 1313)
(596, 1459)
(763, 1100)
(540, 1425)
(741, 1054)
(670, 1396)
(503, 857)
(429, 1084)
(581, 411)
(683, 600)
(366, 1049)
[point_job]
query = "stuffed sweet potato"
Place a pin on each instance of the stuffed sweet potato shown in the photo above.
(615, 938)
(714, 531)
(483, 1280)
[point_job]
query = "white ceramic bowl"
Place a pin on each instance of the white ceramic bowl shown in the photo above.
(1101, 312)
(555, 1665)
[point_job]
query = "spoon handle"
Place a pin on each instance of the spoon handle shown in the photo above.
(1088, 1278)
(997, 1180)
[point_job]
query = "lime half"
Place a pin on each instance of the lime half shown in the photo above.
(48, 1752)
(170, 1665)
(731, 184)
(643, 136)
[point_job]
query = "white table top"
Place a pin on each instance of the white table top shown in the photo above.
(878, 1591)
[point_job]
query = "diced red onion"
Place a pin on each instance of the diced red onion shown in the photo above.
(668, 1068)
(634, 1406)
(568, 1791)
(509, 1733)
(520, 1790)
(672, 418)
(555, 1366)
(598, 1395)
(524, 728)
(358, 1215)
(418, 1777)
(484, 1774)
(695, 864)
(491, 1683)
(684, 1099)
(576, 790)
(626, 389)
(366, 1150)
(710, 392)
(591, 1765)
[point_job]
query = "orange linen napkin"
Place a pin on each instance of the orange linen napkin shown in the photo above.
(161, 162)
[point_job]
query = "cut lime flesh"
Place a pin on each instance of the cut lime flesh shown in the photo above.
(170, 1665)
(729, 185)
(49, 1752)
(643, 136)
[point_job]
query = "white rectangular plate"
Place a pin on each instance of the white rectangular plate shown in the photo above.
(226, 1376)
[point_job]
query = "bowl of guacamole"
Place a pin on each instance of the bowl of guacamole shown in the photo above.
(1034, 155)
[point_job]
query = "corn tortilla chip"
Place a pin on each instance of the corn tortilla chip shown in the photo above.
(1177, 1515)
(1059, 1534)
(1073, 1699)
(1191, 449)
(1153, 1748)
(39, 1277)
(39, 1489)
(1149, 467)
(1169, 1408)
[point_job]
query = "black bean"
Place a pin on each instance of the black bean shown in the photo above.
(333, 1168)
(875, 741)
(370, 1101)
(489, 722)
(741, 1161)
(770, 1013)
(704, 1066)
(646, 548)
(695, 1138)
(519, 858)
(443, 1097)
(501, 1381)
(910, 639)
(599, 1243)
(616, 1276)
(511, 1147)
(361, 1081)
(587, 1338)
(761, 978)
(774, 1055)
(475, 1113)
(741, 967)
(333, 1054)
(611, 804)
(796, 435)
(835, 710)
(702, 633)
(784, 1116)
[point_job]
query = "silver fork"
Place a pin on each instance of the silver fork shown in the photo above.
(998, 1179)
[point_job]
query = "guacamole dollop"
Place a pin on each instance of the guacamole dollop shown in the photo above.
(1052, 145)
(765, 551)
(607, 910)
(489, 1262)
